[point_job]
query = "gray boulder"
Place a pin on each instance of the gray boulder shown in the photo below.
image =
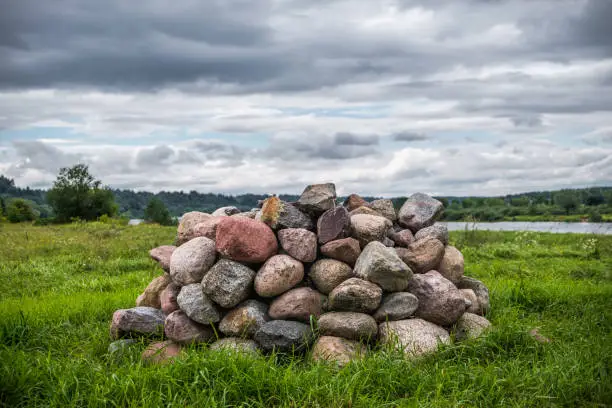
(470, 296)
(244, 320)
(182, 330)
(437, 231)
(228, 283)
(284, 336)
(481, 291)
(299, 243)
(415, 337)
(326, 274)
(279, 274)
(236, 345)
(385, 208)
(451, 265)
(349, 325)
(470, 326)
(225, 211)
(440, 301)
(333, 224)
(192, 260)
(197, 305)
(280, 214)
(396, 306)
(162, 255)
(355, 295)
(317, 198)
(419, 211)
(136, 321)
(381, 265)
(366, 228)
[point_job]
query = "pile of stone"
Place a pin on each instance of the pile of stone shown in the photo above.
(335, 279)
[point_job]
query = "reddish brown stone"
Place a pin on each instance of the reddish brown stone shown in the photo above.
(167, 298)
(161, 352)
(297, 304)
(423, 255)
(354, 201)
(245, 240)
(333, 224)
(299, 243)
(206, 228)
(162, 255)
(402, 238)
(188, 221)
(346, 250)
(151, 295)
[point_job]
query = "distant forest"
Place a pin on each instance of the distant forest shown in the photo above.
(594, 203)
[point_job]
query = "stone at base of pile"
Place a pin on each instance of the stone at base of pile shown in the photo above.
(312, 276)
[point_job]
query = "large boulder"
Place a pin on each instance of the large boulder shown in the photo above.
(197, 305)
(137, 321)
(422, 256)
(333, 224)
(349, 325)
(161, 352)
(481, 291)
(151, 295)
(440, 301)
(337, 350)
(451, 265)
(384, 207)
(402, 238)
(317, 198)
(414, 337)
(396, 306)
(182, 330)
(355, 295)
(419, 211)
(192, 260)
(162, 255)
(284, 336)
(470, 326)
(188, 221)
(242, 239)
(299, 243)
(244, 320)
(280, 214)
(206, 228)
(297, 304)
(167, 298)
(367, 228)
(354, 201)
(279, 274)
(326, 274)
(228, 283)
(381, 265)
(437, 231)
(346, 250)
(225, 211)
(235, 345)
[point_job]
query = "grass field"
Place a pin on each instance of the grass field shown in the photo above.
(61, 284)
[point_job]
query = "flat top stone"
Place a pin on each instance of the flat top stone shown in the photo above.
(317, 198)
(419, 211)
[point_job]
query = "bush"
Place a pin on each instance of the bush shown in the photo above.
(157, 212)
(19, 210)
(595, 216)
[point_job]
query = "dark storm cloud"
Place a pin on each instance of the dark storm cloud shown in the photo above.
(350, 139)
(409, 137)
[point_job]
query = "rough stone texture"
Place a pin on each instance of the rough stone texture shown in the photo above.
(333, 224)
(385, 208)
(381, 265)
(326, 274)
(388, 242)
(167, 298)
(470, 296)
(414, 337)
(451, 265)
(151, 295)
(354, 201)
(437, 231)
(440, 301)
(364, 210)
(346, 250)
(182, 330)
(422, 256)
(161, 352)
(367, 228)
(225, 211)
(349, 325)
(244, 320)
(162, 255)
(188, 221)
(136, 321)
(197, 305)
(419, 211)
(317, 198)
(279, 274)
(355, 295)
(192, 260)
(248, 214)
(470, 326)
(402, 238)
(235, 344)
(297, 304)
(228, 283)
(300, 243)
(206, 228)
(118, 347)
(242, 239)
(481, 291)
(280, 214)
(284, 336)
(337, 350)
(396, 306)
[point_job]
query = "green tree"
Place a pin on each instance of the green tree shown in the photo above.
(520, 201)
(157, 212)
(76, 194)
(20, 210)
(567, 200)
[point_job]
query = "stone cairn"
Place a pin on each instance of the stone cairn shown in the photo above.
(309, 275)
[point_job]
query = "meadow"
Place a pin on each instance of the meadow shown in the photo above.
(61, 284)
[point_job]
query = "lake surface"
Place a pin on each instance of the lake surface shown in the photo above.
(556, 227)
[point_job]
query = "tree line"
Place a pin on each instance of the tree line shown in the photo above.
(77, 195)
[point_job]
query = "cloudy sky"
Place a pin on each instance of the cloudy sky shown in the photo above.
(381, 97)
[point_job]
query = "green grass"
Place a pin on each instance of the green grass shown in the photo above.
(61, 284)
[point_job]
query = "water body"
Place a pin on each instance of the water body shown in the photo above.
(556, 227)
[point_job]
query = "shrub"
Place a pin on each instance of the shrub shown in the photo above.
(19, 210)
